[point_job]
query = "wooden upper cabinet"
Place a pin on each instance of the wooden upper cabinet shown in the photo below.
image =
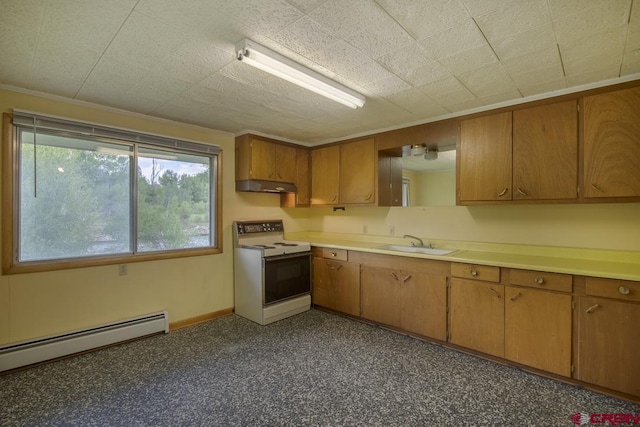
(257, 158)
(358, 172)
(612, 144)
(485, 158)
(302, 172)
(545, 152)
(325, 175)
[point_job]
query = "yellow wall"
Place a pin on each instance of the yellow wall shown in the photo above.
(41, 304)
(437, 188)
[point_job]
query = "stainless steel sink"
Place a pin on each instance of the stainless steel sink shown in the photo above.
(417, 249)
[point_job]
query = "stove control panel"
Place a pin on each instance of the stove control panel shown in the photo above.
(249, 227)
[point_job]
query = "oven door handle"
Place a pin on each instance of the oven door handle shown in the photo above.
(286, 256)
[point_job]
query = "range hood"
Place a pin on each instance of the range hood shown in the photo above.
(263, 186)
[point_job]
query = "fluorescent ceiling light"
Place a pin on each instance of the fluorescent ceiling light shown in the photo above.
(278, 65)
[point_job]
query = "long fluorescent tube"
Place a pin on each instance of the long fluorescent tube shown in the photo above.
(278, 65)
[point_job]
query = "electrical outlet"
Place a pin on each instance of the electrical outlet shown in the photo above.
(392, 230)
(365, 229)
(122, 269)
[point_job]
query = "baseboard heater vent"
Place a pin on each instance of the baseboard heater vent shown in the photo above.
(29, 352)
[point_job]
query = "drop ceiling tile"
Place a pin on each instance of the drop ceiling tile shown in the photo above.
(195, 60)
(427, 17)
(592, 64)
(366, 73)
(469, 59)
(160, 85)
(340, 57)
(112, 76)
(535, 39)
(344, 18)
(460, 38)
(630, 64)
(416, 100)
(15, 72)
(305, 36)
(85, 25)
(548, 58)
(307, 62)
(605, 15)
(514, 18)
(62, 71)
(483, 7)
(265, 16)
(448, 91)
(487, 81)
(306, 5)
(424, 74)
(601, 73)
(186, 15)
(388, 86)
(609, 43)
(537, 87)
(563, 8)
(144, 42)
(538, 75)
(410, 56)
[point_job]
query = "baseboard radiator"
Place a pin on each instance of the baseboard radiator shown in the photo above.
(29, 352)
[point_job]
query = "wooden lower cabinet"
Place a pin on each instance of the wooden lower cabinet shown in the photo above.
(413, 301)
(336, 285)
(609, 344)
(537, 329)
(477, 315)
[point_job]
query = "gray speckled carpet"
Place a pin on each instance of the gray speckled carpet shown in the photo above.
(312, 369)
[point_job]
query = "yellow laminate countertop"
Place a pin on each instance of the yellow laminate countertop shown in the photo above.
(579, 261)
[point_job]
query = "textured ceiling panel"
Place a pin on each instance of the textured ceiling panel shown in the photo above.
(414, 60)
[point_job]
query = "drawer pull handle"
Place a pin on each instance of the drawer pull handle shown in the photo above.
(539, 280)
(522, 193)
(334, 198)
(595, 187)
(503, 192)
(395, 276)
(494, 292)
(516, 296)
(473, 273)
(624, 290)
(406, 278)
(334, 254)
(369, 196)
(592, 308)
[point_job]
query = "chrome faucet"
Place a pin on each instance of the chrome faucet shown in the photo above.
(421, 243)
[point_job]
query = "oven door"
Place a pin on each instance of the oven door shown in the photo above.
(286, 276)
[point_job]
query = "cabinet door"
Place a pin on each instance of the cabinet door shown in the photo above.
(325, 175)
(545, 152)
(538, 329)
(609, 347)
(612, 144)
(336, 285)
(285, 163)
(477, 316)
(263, 160)
(424, 304)
(381, 295)
(485, 158)
(303, 197)
(357, 172)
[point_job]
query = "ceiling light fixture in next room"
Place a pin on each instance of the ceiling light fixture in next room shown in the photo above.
(272, 62)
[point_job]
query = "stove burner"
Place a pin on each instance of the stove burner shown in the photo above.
(264, 246)
(284, 244)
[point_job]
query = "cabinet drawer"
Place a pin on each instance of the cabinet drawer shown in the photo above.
(612, 288)
(541, 280)
(476, 272)
(339, 254)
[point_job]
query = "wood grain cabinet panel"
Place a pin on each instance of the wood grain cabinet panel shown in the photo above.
(325, 175)
(485, 158)
(477, 316)
(538, 329)
(612, 144)
(302, 180)
(608, 332)
(336, 285)
(285, 163)
(412, 301)
(545, 152)
(358, 172)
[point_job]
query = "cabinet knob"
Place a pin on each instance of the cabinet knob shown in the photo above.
(334, 254)
(539, 280)
(473, 272)
(624, 290)
(503, 192)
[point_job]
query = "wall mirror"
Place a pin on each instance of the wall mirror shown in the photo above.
(428, 173)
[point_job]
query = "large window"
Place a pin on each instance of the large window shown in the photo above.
(87, 195)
